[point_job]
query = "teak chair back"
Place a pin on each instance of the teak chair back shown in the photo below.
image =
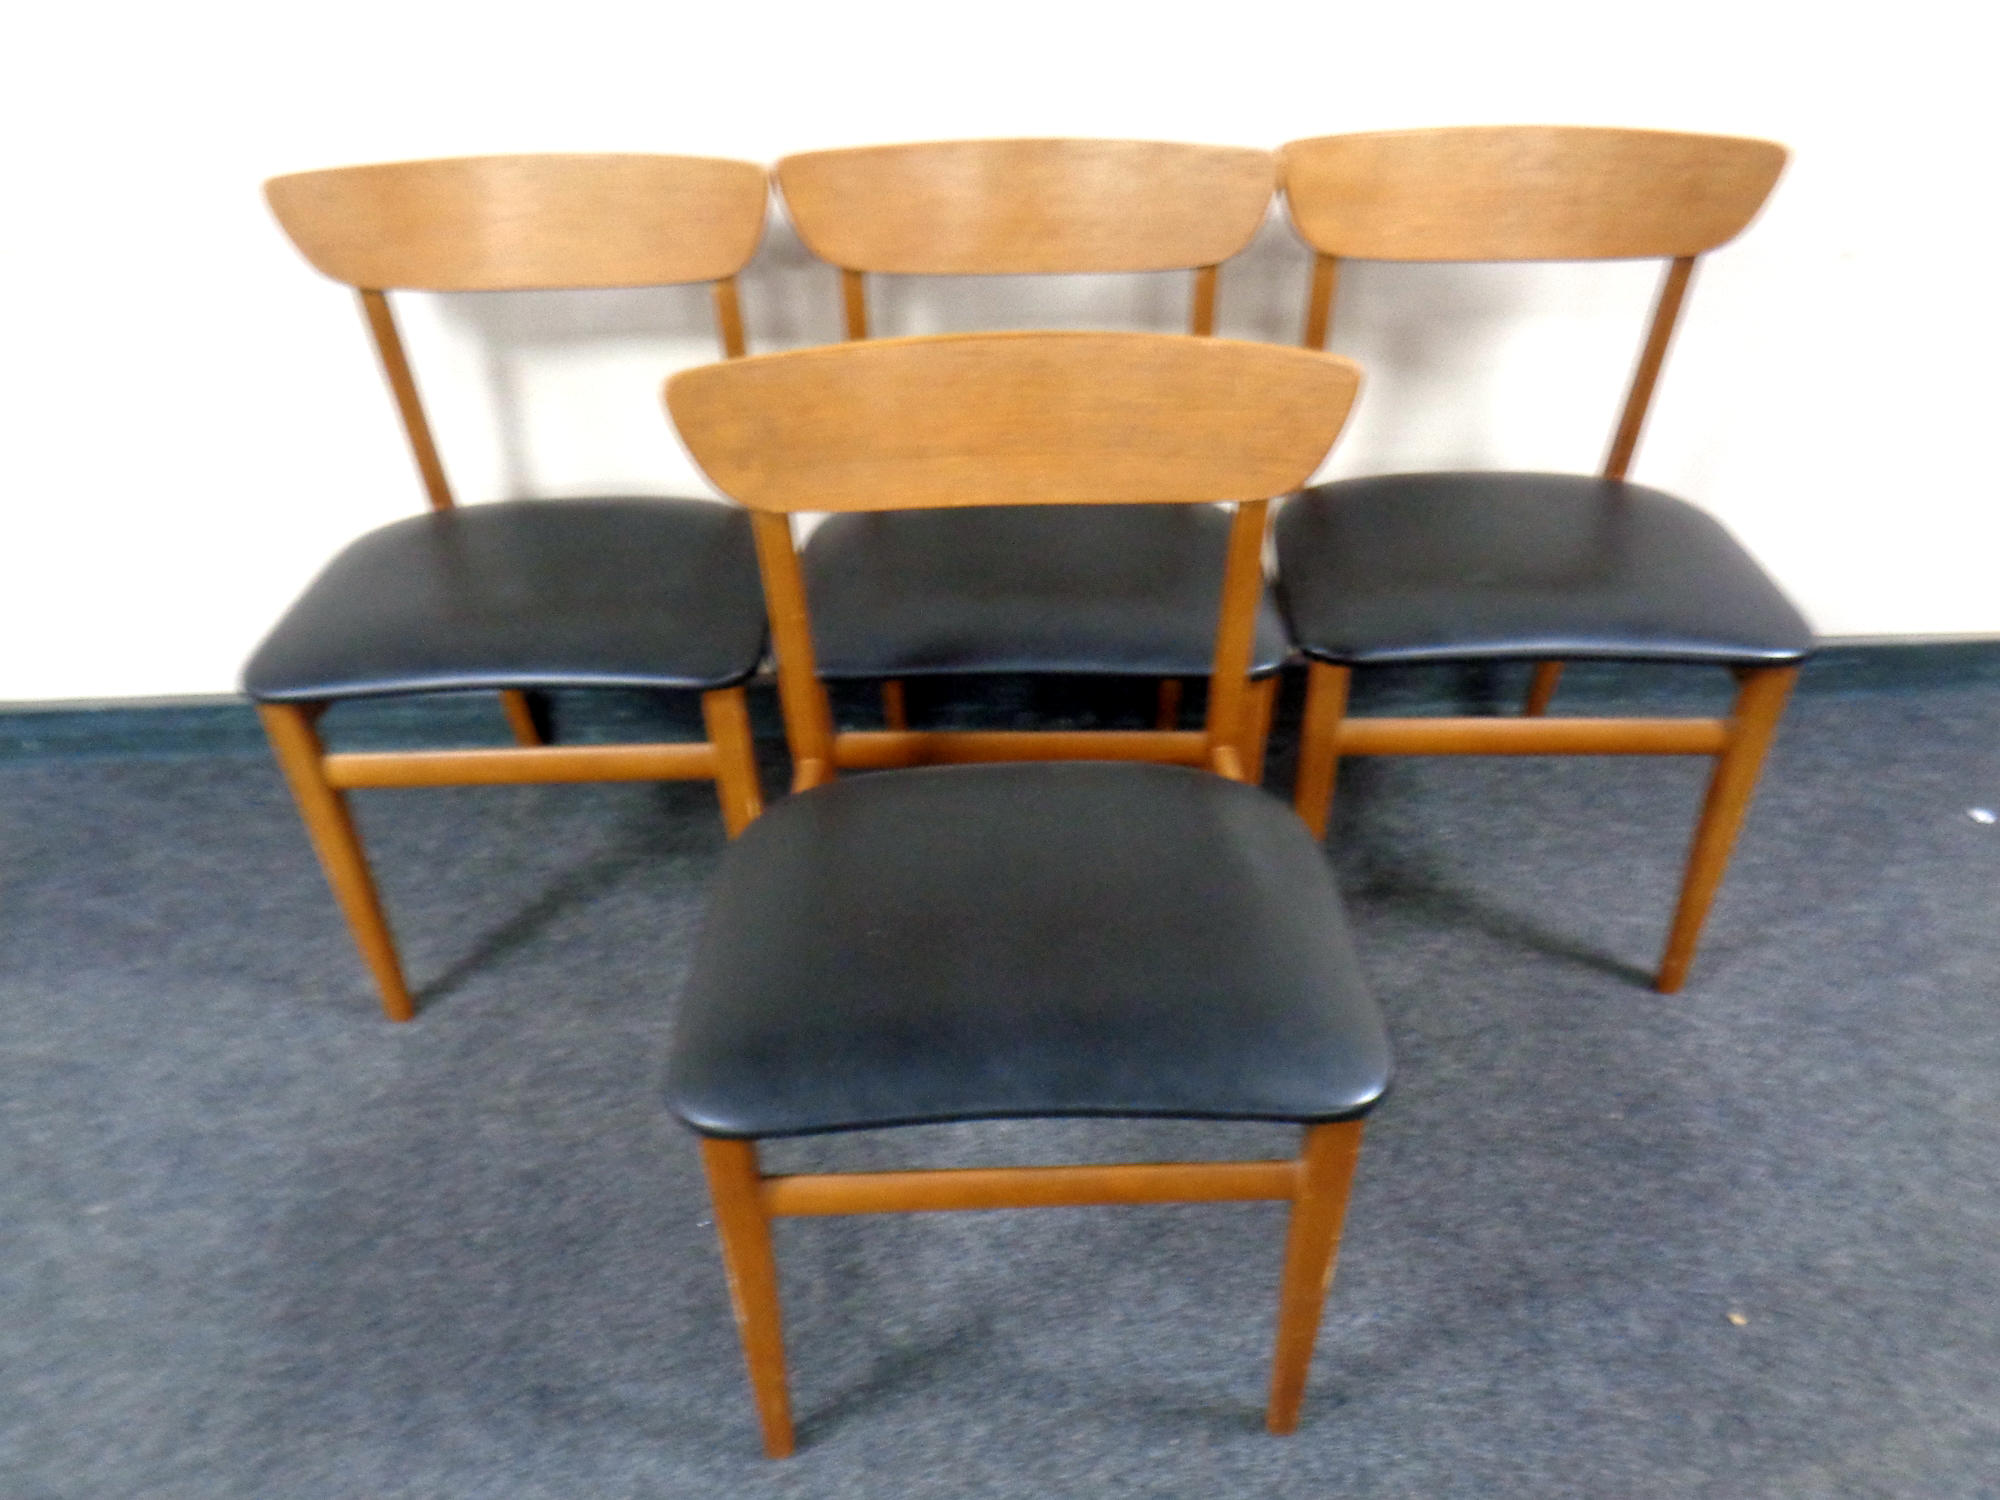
(520, 223)
(1533, 193)
(1504, 192)
(1029, 207)
(1012, 419)
(509, 223)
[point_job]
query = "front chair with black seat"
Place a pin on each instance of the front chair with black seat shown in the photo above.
(519, 596)
(1090, 591)
(1456, 567)
(1020, 941)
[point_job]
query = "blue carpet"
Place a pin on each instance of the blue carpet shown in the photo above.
(1744, 1241)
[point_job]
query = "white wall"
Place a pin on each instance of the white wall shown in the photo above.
(194, 421)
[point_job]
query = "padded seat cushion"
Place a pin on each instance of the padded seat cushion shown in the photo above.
(1107, 589)
(1068, 938)
(1455, 567)
(643, 593)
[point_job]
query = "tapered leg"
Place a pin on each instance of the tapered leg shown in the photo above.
(1319, 754)
(340, 854)
(1257, 727)
(895, 708)
(745, 1232)
(1312, 1245)
(1543, 688)
(1760, 702)
(727, 714)
(1167, 709)
(526, 716)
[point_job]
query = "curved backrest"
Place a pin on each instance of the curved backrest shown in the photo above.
(500, 223)
(1013, 419)
(1525, 192)
(999, 207)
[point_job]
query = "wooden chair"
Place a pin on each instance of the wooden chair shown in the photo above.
(520, 595)
(1003, 941)
(1107, 591)
(1538, 567)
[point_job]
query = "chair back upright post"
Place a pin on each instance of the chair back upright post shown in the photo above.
(1010, 419)
(1030, 207)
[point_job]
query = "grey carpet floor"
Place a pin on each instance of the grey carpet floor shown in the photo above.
(1744, 1241)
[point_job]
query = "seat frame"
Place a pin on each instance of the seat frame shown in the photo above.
(777, 471)
(1315, 1183)
(1720, 185)
(891, 236)
(321, 211)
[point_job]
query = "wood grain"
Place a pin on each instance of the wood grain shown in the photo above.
(802, 696)
(1539, 736)
(1013, 419)
(728, 317)
(1312, 1248)
(1027, 206)
(518, 764)
(972, 1188)
(1229, 719)
(1524, 192)
(403, 386)
(752, 1268)
(331, 828)
(1319, 301)
(1319, 743)
(1201, 310)
(1257, 727)
(1639, 396)
(1760, 703)
(879, 749)
(497, 223)
(726, 714)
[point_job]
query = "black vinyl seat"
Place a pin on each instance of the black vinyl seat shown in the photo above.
(1075, 939)
(1091, 589)
(1514, 566)
(633, 593)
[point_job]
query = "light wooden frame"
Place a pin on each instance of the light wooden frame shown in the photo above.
(1315, 1183)
(1022, 418)
(1508, 193)
(496, 224)
(1027, 207)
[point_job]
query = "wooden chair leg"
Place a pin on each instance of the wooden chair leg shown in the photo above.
(1543, 688)
(1167, 709)
(1257, 727)
(727, 715)
(1319, 753)
(331, 829)
(895, 708)
(1312, 1246)
(528, 724)
(1760, 702)
(745, 1232)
